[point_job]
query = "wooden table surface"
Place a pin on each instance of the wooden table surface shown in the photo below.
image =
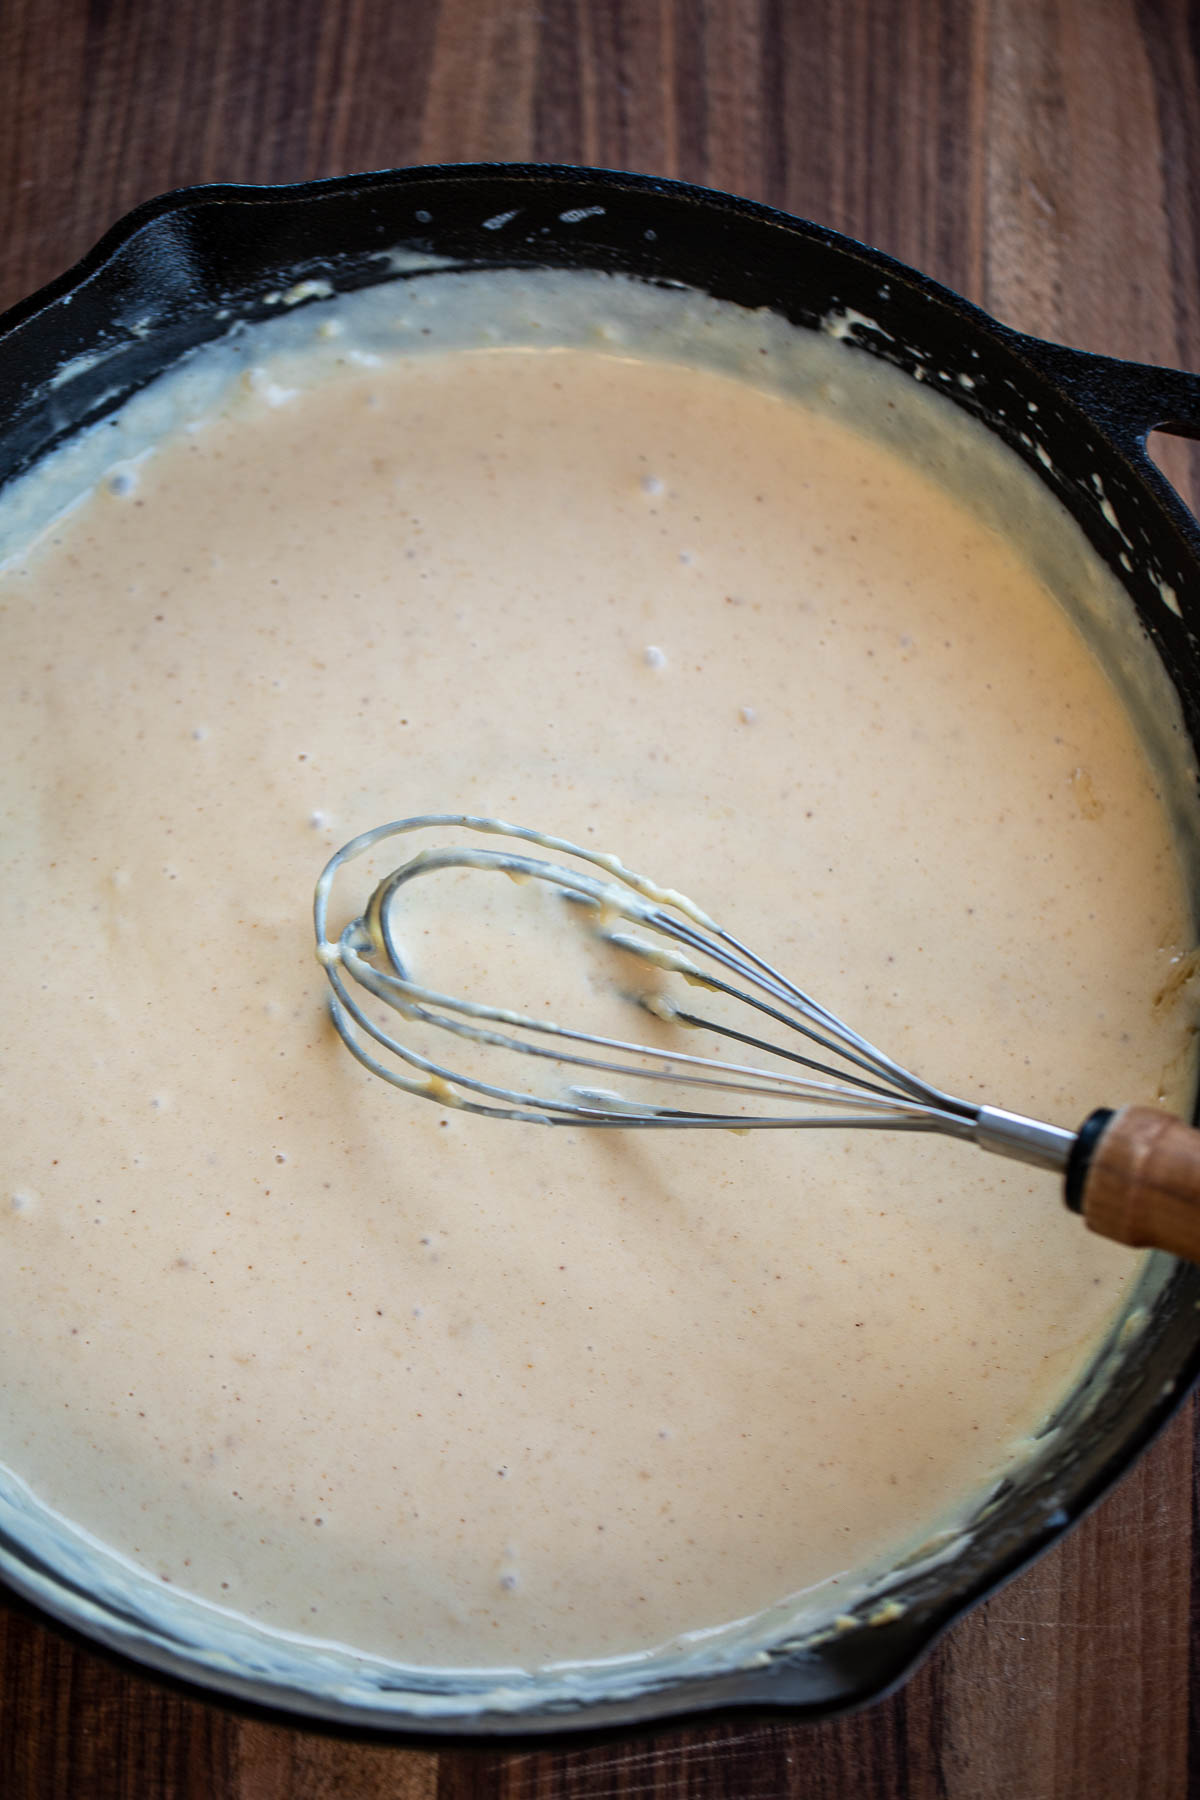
(1043, 158)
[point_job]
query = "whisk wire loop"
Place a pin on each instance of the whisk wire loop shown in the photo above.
(871, 1089)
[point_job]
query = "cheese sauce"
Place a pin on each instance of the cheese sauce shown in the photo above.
(455, 1392)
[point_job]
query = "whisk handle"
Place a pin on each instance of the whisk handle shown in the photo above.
(1135, 1177)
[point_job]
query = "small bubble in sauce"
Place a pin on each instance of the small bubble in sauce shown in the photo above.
(653, 657)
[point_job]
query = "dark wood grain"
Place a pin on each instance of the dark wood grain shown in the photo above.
(1043, 156)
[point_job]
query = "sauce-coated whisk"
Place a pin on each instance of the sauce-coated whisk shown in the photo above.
(1134, 1174)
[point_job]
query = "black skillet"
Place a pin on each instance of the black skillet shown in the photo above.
(184, 268)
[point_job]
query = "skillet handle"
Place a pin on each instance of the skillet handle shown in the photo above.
(1130, 399)
(1135, 1177)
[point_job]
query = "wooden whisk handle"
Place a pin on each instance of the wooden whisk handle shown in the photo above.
(1135, 1177)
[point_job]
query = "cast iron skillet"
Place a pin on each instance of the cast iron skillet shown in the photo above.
(185, 268)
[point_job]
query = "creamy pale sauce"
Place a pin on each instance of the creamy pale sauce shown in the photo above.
(455, 1392)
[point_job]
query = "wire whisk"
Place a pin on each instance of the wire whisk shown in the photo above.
(1134, 1173)
(836, 1077)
